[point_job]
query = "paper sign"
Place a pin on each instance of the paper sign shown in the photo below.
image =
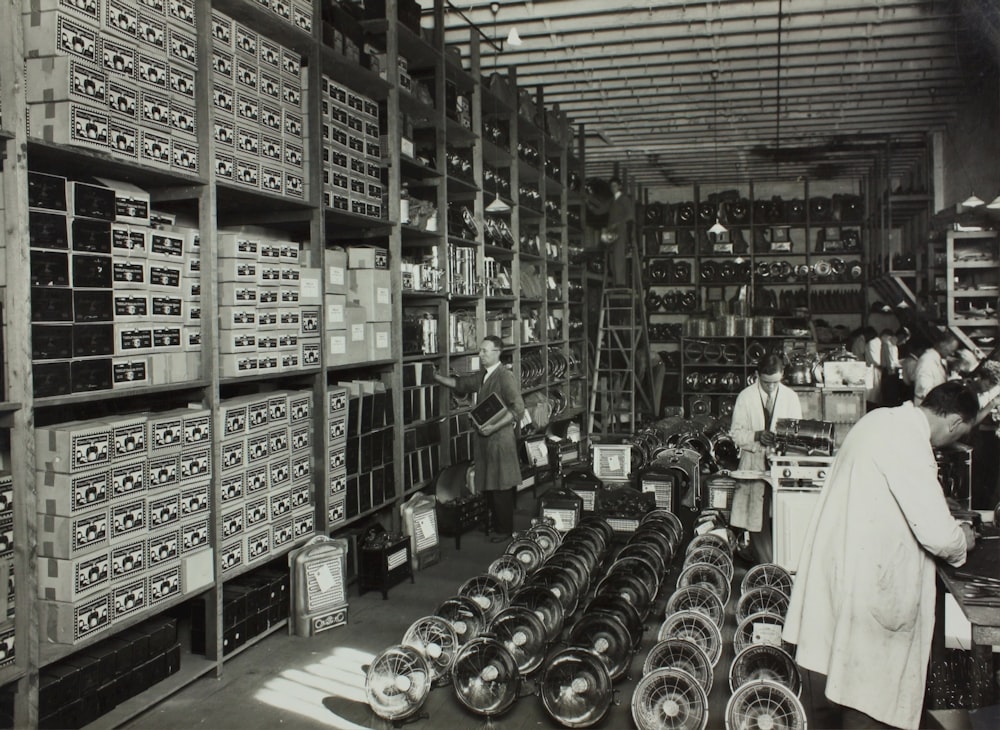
(325, 579)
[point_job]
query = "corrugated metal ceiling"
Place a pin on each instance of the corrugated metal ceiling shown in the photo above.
(735, 90)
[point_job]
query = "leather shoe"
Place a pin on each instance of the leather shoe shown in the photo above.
(500, 538)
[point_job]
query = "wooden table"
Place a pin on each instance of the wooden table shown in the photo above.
(984, 560)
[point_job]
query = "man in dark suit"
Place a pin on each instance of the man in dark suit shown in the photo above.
(617, 235)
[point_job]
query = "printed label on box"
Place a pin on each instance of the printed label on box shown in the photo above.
(256, 479)
(194, 501)
(163, 547)
(128, 560)
(128, 518)
(194, 535)
(164, 471)
(128, 479)
(164, 510)
(165, 584)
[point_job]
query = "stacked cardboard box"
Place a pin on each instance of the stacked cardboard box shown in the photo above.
(123, 521)
(7, 584)
(352, 151)
(258, 109)
(266, 493)
(115, 302)
(268, 306)
(114, 75)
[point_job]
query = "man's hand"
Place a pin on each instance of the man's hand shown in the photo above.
(767, 438)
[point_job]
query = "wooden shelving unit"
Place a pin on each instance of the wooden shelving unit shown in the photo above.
(214, 203)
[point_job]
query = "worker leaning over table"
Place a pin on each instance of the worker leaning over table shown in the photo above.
(862, 605)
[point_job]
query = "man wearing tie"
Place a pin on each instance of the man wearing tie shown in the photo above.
(758, 408)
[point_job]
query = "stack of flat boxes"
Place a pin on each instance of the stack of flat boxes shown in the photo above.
(266, 489)
(337, 425)
(369, 304)
(114, 75)
(114, 301)
(123, 520)
(268, 306)
(79, 689)
(352, 151)
(368, 450)
(258, 108)
(7, 647)
(294, 12)
(421, 410)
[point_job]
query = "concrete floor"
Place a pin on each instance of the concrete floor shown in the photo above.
(318, 682)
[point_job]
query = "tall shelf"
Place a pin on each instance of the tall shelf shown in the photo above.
(447, 167)
(781, 257)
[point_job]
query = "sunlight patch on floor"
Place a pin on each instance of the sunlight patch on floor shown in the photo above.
(304, 690)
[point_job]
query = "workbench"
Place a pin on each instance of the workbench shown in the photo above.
(983, 613)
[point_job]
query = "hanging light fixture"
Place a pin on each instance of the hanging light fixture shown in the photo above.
(717, 229)
(498, 205)
(995, 204)
(973, 201)
(514, 38)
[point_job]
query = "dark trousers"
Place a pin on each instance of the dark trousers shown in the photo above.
(500, 503)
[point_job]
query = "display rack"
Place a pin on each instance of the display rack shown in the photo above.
(310, 210)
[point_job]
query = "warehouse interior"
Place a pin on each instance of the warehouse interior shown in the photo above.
(370, 363)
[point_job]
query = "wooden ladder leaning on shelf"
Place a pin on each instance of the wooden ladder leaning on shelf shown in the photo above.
(622, 385)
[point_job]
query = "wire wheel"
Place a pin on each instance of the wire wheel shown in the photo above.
(767, 574)
(509, 571)
(763, 661)
(397, 683)
(698, 597)
(528, 552)
(763, 599)
(764, 705)
(709, 539)
(711, 576)
(669, 699)
(712, 556)
(488, 592)
(681, 654)
(758, 628)
(433, 637)
(466, 617)
(696, 627)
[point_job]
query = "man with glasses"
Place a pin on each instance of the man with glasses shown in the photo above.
(497, 467)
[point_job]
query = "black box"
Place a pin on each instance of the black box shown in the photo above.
(365, 492)
(234, 605)
(233, 638)
(46, 191)
(87, 678)
(91, 271)
(51, 378)
(49, 268)
(57, 683)
(162, 632)
(51, 341)
(93, 305)
(92, 201)
(87, 376)
(378, 485)
(48, 230)
(51, 304)
(91, 236)
(172, 659)
(93, 340)
(138, 639)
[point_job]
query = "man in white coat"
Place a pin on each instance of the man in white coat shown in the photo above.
(757, 409)
(862, 605)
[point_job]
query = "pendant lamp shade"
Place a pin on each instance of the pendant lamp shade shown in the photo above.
(497, 206)
(973, 202)
(718, 229)
(513, 38)
(995, 204)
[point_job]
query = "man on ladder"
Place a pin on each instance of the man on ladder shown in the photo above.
(617, 235)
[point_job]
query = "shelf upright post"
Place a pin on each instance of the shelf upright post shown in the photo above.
(17, 361)
(208, 224)
(316, 248)
(513, 121)
(478, 170)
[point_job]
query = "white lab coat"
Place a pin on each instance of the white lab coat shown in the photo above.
(929, 373)
(873, 357)
(748, 418)
(862, 604)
